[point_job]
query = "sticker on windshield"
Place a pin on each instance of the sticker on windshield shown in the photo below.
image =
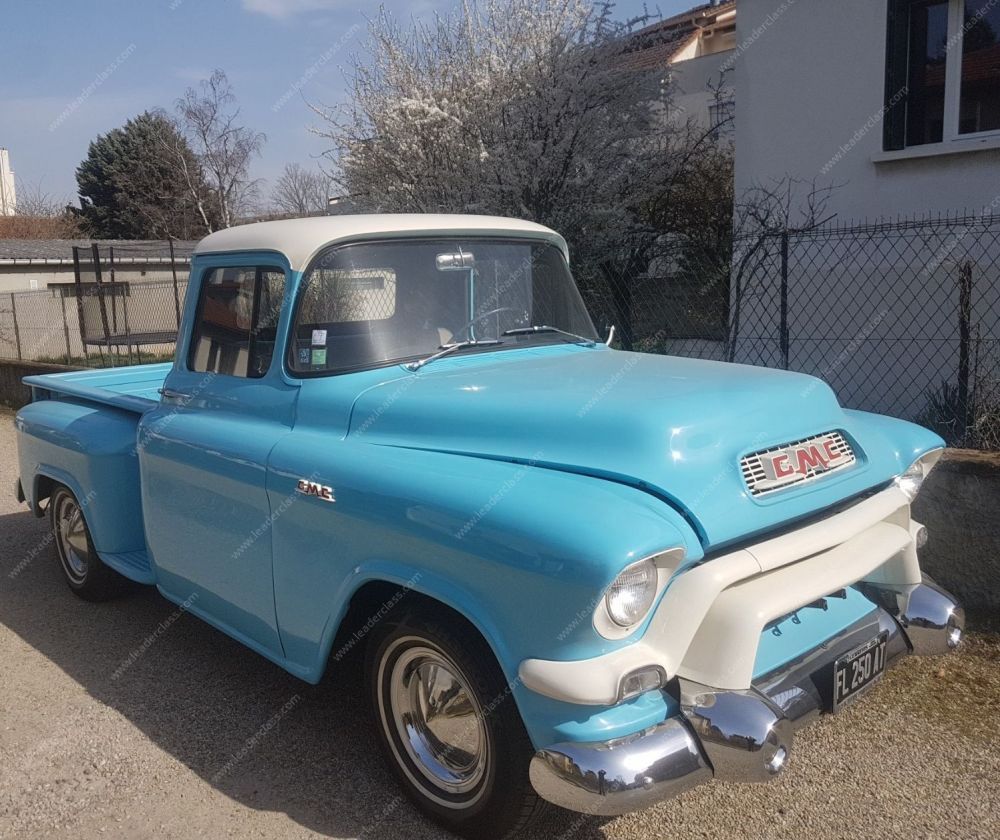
(304, 355)
(319, 357)
(319, 338)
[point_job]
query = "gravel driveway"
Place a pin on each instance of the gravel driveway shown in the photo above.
(130, 719)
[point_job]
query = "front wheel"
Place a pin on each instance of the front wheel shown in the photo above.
(450, 729)
(85, 572)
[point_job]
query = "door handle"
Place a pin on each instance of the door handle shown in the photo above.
(171, 394)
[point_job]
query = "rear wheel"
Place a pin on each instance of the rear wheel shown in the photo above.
(85, 572)
(450, 729)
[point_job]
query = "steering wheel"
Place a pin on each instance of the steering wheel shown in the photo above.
(478, 318)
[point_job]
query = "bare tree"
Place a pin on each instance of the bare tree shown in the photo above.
(764, 213)
(38, 216)
(209, 118)
(32, 200)
(131, 183)
(300, 191)
(175, 148)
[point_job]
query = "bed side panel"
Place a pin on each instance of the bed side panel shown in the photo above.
(91, 449)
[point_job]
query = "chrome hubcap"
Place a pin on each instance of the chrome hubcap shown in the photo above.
(71, 536)
(438, 720)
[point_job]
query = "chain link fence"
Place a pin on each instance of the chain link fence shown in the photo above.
(900, 318)
(123, 306)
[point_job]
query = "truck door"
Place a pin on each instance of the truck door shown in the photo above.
(203, 452)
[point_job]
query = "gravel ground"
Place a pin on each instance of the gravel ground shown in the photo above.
(196, 736)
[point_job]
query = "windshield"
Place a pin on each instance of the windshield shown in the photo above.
(379, 302)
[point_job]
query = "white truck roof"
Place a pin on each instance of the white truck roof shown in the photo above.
(300, 239)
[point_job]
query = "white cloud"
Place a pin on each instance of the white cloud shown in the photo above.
(281, 9)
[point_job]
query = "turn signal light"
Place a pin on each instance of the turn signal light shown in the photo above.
(640, 681)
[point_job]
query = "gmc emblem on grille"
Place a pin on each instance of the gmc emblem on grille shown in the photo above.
(796, 462)
(816, 457)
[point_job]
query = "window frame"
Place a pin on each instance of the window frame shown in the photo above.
(259, 268)
(722, 118)
(897, 78)
(539, 339)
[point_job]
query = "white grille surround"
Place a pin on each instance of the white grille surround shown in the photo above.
(758, 482)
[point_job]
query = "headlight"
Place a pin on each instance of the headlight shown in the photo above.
(911, 480)
(630, 596)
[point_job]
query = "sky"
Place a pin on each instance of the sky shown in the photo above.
(73, 69)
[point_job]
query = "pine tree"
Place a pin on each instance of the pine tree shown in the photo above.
(142, 181)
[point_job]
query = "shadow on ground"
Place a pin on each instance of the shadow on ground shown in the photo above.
(221, 710)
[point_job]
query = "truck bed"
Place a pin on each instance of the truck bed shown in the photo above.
(134, 388)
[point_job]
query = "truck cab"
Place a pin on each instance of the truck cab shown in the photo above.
(576, 576)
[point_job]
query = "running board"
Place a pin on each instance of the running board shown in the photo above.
(134, 565)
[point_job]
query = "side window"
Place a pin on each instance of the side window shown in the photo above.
(237, 320)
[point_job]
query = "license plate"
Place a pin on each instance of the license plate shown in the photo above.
(859, 670)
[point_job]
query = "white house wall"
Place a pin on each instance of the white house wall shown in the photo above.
(691, 80)
(810, 87)
(877, 317)
(8, 191)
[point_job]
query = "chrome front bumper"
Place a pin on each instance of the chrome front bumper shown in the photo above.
(741, 736)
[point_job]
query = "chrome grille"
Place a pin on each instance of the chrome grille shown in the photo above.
(755, 475)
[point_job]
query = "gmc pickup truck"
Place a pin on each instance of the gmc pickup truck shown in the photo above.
(576, 576)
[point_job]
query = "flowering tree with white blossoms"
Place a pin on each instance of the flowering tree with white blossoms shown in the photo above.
(514, 107)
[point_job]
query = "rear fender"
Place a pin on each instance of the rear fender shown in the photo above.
(92, 451)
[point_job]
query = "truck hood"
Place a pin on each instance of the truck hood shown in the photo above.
(674, 427)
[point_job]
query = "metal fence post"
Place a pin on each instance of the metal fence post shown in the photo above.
(62, 300)
(79, 300)
(17, 331)
(96, 256)
(173, 271)
(964, 341)
(784, 299)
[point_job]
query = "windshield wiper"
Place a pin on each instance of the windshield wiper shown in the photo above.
(545, 328)
(451, 348)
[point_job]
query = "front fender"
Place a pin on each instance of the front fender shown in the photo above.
(548, 721)
(407, 577)
(523, 552)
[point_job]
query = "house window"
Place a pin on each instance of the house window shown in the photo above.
(979, 97)
(721, 117)
(942, 71)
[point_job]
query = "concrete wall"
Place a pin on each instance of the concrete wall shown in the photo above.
(810, 88)
(15, 393)
(23, 277)
(960, 505)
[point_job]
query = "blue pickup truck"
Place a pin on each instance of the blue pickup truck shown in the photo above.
(575, 575)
